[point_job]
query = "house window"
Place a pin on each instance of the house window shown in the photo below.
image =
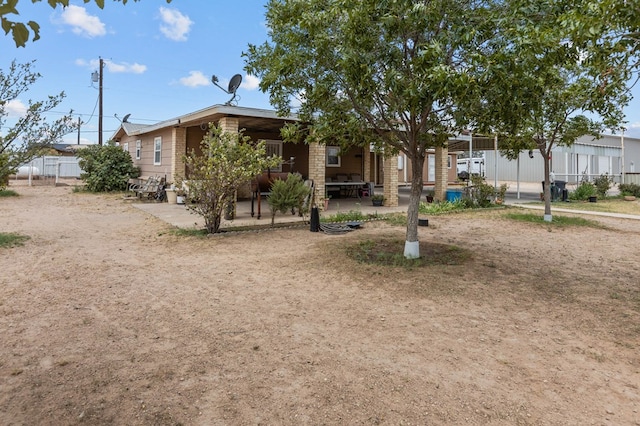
(157, 151)
(125, 146)
(448, 161)
(138, 148)
(274, 149)
(333, 159)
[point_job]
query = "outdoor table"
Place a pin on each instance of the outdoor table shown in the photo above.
(349, 186)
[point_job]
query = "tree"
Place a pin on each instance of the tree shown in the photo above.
(106, 167)
(21, 31)
(386, 73)
(538, 82)
(32, 133)
(228, 160)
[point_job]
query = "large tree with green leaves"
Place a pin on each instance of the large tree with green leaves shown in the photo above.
(544, 88)
(227, 161)
(30, 133)
(21, 31)
(386, 73)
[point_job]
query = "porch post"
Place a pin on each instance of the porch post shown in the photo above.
(317, 170)
(390, 184)
(178, 149)
(441, 172)
(366, 165)
(231, 125)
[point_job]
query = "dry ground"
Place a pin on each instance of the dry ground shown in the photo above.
(108, 317)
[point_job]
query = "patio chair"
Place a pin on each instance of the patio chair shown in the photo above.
(149, 189)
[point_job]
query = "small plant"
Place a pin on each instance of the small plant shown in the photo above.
(8, 193)
(603, 184)
(429, 194)
(10, 239)
(378, 200)
(500, 193)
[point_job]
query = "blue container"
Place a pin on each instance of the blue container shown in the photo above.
(453, 194)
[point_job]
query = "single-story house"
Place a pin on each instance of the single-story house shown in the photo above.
(158, 150)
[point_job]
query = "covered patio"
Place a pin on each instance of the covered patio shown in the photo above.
(179, 216)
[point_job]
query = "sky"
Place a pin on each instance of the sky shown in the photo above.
(159, 59)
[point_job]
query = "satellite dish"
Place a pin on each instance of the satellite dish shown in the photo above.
(124, 120)
(234, 83)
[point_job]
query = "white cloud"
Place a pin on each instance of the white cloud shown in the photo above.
(633, 130)
(82, 23)
(15, 108)
(123, 67)
(250, 82)
(195, 79)
(175, 26)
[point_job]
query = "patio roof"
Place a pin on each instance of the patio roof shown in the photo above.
(248, 118)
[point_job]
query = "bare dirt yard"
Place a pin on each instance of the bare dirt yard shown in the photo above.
(107, 316)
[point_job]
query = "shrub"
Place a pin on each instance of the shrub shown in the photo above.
(106, 168)
(5, 170)
(630, 189)
(481, 192)
(603, 184)
(585, 190)
(287, 195)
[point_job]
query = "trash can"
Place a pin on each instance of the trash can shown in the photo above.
(453, 195)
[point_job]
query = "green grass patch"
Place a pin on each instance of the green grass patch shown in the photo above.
(191, 232)
(607, 205)
(442, 207)
(559, 221)
(8, 193)
(350, 216)
(389, 252)
(10, 239)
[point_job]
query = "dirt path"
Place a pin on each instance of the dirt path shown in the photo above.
(106, 317)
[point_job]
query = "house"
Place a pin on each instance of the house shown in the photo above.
(158, 150)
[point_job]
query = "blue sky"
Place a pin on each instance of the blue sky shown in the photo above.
(159, 59)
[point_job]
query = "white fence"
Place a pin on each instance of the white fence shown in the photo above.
(50, 168)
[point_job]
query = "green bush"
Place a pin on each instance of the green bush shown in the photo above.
(603, 184)
(481, 193)
(106, 168)
(5, 170)
(585, 190)
(287, 195)
(630, 189)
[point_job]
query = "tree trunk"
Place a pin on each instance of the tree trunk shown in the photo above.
(547, 185)
(411, 246)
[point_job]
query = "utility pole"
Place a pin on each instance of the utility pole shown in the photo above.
(97, 77)
(100, 107)
(79, 124)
